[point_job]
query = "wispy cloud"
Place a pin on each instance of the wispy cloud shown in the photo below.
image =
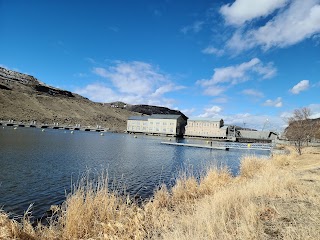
(252, 92)
(80, 75)
(132, 82)
(188, 112)
(220, 100)
(259, 122)
(213, 51)
(211, 112)
(98, 92)
(239, 12)
(297, 21)
(301, 86)
(274, 103)
(133, 77)
(114, 29)
(315, 110)
(194, 28)
(225, 77)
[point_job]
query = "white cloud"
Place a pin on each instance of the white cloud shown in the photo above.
(213, 51)
(98, 93)
(274, 103)
(301, 86)
(195, 27)
(131, 82)
(245, 10)
(252, 92)
(188, 111)
(315, 110)
(211, 112)
(214, 90)
(296, 22)
(225, 77)
(258, 122)
(133, 77)
(166, 88)
(80, 75)
(220, 100)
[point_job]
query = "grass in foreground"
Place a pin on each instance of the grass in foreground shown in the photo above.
(270, 199)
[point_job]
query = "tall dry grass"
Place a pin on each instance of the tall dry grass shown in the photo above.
(267, 200)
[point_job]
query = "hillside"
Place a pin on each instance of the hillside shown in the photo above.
(24, 98)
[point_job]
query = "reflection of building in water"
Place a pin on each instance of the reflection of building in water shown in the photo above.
(166, 124)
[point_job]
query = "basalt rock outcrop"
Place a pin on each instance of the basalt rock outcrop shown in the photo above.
(145, 109)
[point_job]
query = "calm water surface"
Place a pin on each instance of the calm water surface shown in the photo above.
(39, 167)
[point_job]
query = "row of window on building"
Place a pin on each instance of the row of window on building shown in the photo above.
(177, 125)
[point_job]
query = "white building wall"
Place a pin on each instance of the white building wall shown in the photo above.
(159, 126)
(162, 126)
(204, 128)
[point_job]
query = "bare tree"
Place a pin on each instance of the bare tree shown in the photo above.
(299, 130)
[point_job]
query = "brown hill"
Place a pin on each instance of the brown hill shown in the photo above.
(23, 98)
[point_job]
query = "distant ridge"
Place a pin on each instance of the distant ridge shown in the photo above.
(145, 109)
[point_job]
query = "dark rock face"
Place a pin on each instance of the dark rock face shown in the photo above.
(9, 76)
(147, 109)
(4, 87)
(52, 91)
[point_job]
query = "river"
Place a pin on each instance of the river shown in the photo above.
(38, 167)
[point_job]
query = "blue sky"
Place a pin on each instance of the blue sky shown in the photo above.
(246, 61)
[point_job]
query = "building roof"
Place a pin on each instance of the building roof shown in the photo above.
(204, 119)
(141, 118)
(165, 116)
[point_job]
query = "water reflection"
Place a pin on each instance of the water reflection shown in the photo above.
(37, 167)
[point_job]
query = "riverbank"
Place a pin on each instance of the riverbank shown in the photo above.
(276, 199)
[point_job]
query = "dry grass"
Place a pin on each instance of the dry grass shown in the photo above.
(270, 199)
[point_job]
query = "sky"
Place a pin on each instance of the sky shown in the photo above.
(248, 62)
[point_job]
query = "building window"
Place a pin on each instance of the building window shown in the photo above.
(157, 129)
